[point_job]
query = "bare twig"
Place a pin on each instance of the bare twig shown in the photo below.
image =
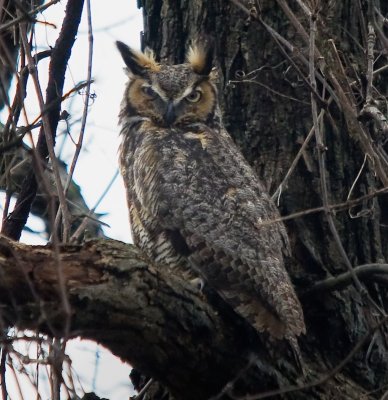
(20, 92)
(332, 207)
(144, 390)
(280, 41)
(304, 7)
(15, 222)
(280, 188)
(49, 135)
(252, 80)
(370, 60)
(23, 130)
(340, 82)
(322, 160)
(77, 234)
(326, 377)
(342, 94)
(370, 110)
(56, 357)
(291, 61)
(16, 379)
(343, 280)
(85, 111)
(352, 188)
(294, 20)
(26, 15)
(45, 147)
(3, 382)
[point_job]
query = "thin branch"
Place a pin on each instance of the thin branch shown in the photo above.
(46, 141)
(332, 207)
(31, 13)
(279, 40)
(370, 59)
(304, 7)
(16, 379)
(291, 61)
(85, 111)
(20, 92)
(50, 106)
(369, 110)
(15, 222)
(49, 135)
(77, 234)
(56, 357)
(18, 139)
(252, 80)
(339, 80)
(144, 390)
(345, 279)
(340, 96)
(326, 377)
(322, 160)
(294, 20)
(353, 186)
(281, 186)
(3, 382)
(23, 130)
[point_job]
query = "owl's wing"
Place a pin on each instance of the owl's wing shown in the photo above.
(211, 197)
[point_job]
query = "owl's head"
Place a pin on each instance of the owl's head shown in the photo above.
(170, 95)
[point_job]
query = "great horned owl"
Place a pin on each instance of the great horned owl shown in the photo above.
(195, 204)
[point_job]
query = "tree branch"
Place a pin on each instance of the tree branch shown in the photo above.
(14, 224)
(142, 314)
(377, 272)
(192, 343)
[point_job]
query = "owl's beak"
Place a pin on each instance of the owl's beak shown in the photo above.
(169, 116)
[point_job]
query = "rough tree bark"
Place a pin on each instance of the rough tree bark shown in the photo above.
(193, 344)
(190, 342)
(140, 313)
(267, 110)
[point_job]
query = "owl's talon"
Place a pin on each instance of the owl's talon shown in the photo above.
(198, 283)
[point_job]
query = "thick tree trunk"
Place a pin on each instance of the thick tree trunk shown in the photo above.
(192, 343)
(266, 98)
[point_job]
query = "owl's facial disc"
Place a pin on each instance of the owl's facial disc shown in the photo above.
(170, 95)
(167, 105)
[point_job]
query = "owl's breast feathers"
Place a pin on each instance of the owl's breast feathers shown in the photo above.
(196, 183)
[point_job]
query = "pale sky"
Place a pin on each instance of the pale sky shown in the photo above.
(121, 20)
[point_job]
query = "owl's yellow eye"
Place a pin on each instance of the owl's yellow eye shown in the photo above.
(194, 96)
(147, 90)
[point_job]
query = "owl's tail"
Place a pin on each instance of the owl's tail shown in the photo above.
(256, 313)
(264, 319)
(293, 341)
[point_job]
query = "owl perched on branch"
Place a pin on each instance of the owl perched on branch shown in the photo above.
(195, 204)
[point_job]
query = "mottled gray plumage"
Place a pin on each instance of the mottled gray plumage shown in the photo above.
(195, 204)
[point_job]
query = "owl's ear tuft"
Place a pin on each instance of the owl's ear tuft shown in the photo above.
(137, 62)
(201, 59)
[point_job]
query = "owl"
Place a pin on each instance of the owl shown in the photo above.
(196, 207)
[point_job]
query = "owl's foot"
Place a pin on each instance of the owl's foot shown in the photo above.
(198, 284)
